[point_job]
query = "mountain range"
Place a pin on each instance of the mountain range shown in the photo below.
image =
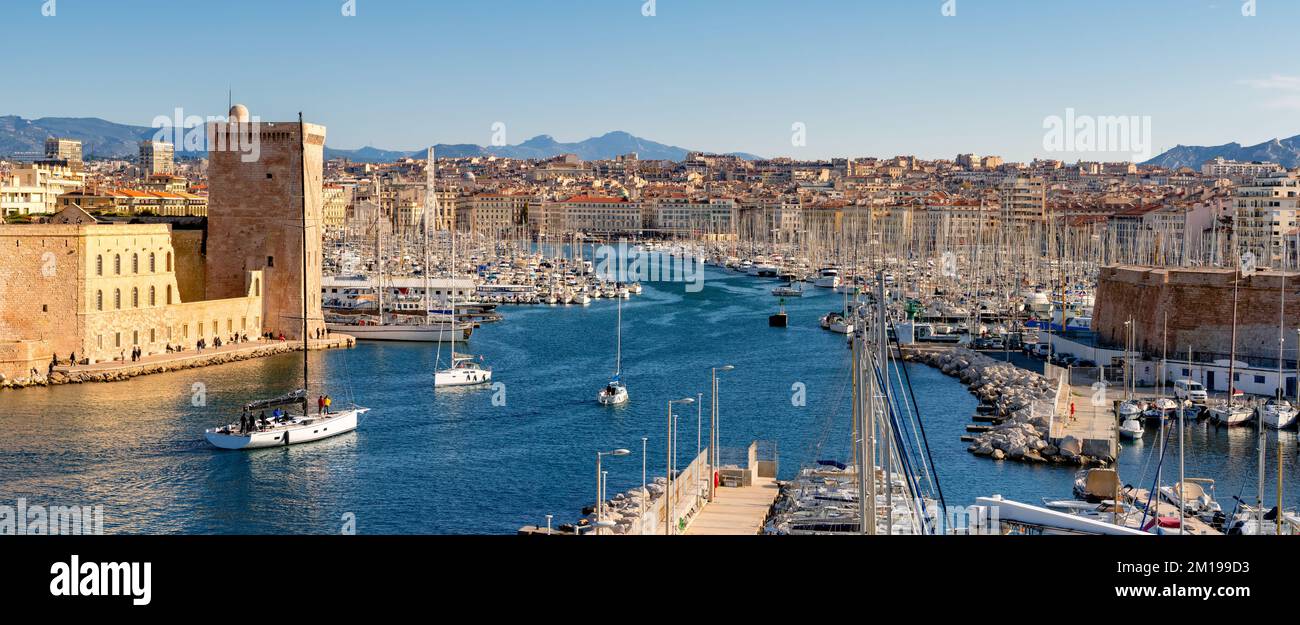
(1285, 152)
(102, 138)
(19, 136)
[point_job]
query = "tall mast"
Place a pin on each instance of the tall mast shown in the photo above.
(302, 181)
(429, 199)
(379, 249)
(618, 352)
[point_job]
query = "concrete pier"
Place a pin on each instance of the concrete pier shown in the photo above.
(736, 511)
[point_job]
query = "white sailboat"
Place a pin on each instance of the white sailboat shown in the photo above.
(1278, 414)
(465, 369)
(287, 428)
(259, 431)
(615, 392)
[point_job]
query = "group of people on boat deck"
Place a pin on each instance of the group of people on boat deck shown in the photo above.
(323, 404)
(249, 423)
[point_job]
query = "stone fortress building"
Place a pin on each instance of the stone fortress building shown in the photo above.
(99, 290)
(255, 217)
(1197, 305)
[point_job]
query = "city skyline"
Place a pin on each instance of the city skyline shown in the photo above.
(546, 69)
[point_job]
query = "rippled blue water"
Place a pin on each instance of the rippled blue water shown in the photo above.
(452, 462)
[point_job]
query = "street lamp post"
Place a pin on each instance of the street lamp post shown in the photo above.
(699, 439)
(668, 490)
(714, 439)
(600, 485)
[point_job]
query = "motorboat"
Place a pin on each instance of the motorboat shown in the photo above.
(1131, 429)
(289, 429)
(827, 278)
(1192, 497)
(788, 290)
(1278, 414)
(1161, 408)
(1096, 484)
(1131, 409)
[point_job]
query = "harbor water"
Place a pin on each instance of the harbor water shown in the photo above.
(490, 459)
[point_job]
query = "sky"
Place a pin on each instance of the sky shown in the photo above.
(859, 77)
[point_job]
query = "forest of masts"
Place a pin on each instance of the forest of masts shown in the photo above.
(999, 252)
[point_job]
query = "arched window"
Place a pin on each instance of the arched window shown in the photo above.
(117, 299)
(169, 261)
(135, 297)
(153, 296)
(99, 300)
(169, 294)
(135, 263)
(117, 264)
(257, 287)
(99, 265)
(153, 265)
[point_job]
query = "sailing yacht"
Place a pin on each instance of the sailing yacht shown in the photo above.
(615, 392)
(464, 370)
(1231, 412)
(288, 428)
(1278, 414)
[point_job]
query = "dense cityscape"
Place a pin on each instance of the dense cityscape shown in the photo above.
(897, 295)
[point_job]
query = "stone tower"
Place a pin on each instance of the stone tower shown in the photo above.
(258, 173)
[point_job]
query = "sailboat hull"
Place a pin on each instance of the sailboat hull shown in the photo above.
(410, 333)
(461, 377)
(612, 399)
(305, 431)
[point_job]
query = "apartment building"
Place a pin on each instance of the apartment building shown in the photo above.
(1264, 211)
(157, 157)
(35, 189)
(706, 217)
(1023, 200)
(61, 149)
(593, 214)
(1223, 168)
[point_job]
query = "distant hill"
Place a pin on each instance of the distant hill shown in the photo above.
(606, 146)
(103, 138)
(1285, 152)
(98, 137)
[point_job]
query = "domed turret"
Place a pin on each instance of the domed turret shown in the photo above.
(238, 113)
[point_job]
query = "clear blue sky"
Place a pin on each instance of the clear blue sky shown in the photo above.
(867, 77)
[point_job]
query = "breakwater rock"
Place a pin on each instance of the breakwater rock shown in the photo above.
(1022, 406)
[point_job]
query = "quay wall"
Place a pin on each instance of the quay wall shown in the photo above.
(1198, 304)
(120, 371)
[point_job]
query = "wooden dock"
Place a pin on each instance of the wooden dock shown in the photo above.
(736, 511)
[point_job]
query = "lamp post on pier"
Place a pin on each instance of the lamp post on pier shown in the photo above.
(668, 491)
(714, 439)
(600, 485)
